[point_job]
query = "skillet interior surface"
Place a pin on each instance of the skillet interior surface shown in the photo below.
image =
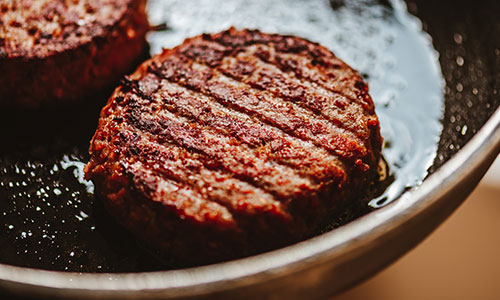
(465, 36)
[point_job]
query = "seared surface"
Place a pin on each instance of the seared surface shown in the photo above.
(58, 50)
(234, 143)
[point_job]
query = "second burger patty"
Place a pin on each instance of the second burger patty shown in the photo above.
(58, 51)
(234, 143)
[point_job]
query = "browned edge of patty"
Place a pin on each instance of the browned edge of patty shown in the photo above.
(93, 59)
(262, 116)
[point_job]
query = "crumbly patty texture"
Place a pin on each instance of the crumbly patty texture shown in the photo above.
(40, 28)
(57, 49)
(234, 143)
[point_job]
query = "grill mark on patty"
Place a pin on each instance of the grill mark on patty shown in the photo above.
(253, 66)
(337, 83)
(352, 116)
(271, 142)
(220, 151)
(184, 200)
(172, 162)
(276, 112)
(322, 60)
(340, 80)
(270, 78)
(298, 67)
(305, 157)
(337, 78)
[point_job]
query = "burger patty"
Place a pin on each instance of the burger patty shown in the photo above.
(234, 143)
(54, 50)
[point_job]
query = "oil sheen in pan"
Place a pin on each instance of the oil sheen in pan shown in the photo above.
(48, 216)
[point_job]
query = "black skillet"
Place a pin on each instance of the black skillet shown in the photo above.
(41, 152)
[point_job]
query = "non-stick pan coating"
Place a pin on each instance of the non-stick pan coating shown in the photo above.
(467, 36)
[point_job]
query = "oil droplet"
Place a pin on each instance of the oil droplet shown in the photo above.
(464, 130)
